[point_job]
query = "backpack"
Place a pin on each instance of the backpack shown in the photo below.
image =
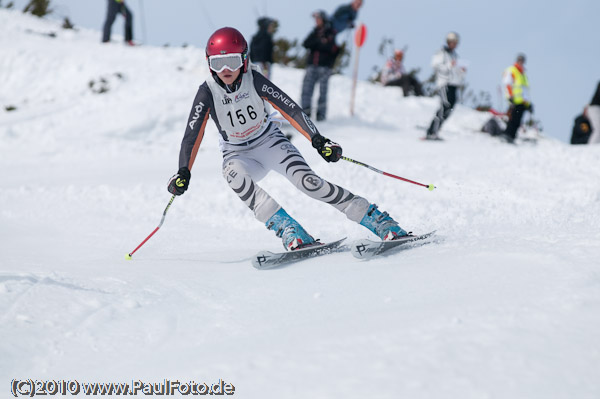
(493, 127)
(581, 130)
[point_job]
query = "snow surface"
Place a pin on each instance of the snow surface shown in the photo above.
(505, 305)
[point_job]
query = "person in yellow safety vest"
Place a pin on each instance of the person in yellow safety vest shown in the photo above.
(517, 92)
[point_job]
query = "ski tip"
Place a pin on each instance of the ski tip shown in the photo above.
(261, 258)
(364, 249)
(128, 257)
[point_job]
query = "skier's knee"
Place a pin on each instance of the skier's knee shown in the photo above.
(233, 171)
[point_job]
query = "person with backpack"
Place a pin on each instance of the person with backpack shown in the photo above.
(593, 114)
(516, 85)
(235, 96)
(118, 7)
(449, 76)
(322, 53)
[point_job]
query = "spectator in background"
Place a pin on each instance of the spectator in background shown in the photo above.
(118, 7)
(261, 45)
(322, 52)
(581, 130)
(394, 74)
(449, 77)
(593, 114)
(516, 86)
(344, 16)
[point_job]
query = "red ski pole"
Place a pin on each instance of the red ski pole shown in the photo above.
(128, 256)
(430, 187)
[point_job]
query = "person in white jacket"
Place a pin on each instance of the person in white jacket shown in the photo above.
(449, 76)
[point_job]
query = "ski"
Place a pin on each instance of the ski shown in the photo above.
(269, 260)
(366, 249)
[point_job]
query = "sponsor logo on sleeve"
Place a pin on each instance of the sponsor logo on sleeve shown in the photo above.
(278, 96)
(197, 110)
(309, 123)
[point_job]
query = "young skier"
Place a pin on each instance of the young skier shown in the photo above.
(252, 145)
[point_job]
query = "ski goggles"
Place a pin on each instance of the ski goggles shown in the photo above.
(219, 63)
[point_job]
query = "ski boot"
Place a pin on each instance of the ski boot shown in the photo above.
(291, 233)
(382, 224)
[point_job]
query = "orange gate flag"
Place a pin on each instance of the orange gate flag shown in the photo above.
(359, 39)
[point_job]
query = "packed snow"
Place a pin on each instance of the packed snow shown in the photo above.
(504, 304)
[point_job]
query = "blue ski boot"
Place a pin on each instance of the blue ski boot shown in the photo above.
(382, 224)
(291, 233)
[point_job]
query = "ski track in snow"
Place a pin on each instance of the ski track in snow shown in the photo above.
(504, 304)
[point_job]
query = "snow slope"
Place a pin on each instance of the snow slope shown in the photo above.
(505, 305)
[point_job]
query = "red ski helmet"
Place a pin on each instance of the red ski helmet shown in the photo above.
(228, 41)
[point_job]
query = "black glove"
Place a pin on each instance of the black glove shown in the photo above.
(330, 151)
(179, 182)
(529, 107)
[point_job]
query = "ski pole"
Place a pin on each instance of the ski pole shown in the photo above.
(128, 256)
(430, 187)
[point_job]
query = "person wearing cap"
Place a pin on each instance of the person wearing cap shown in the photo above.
(261, 45)
(394, 74)
(516, 86)
(449, 76)
(322, 52)
(592, 112)
(344, 16)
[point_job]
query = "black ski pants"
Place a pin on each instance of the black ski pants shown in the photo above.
(114, 8)
(514, 120)
(448, 97)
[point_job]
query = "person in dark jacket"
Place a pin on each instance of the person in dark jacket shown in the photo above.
(261, 45)
(321, 57)
(592, 112)
(118, 7)
(344, 16)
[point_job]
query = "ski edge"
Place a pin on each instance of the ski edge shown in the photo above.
(264, 260)
(366, 249)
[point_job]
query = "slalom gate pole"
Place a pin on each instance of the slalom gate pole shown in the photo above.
(430, 187)
(128, 256)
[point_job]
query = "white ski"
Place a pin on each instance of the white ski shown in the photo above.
(269, 260)
(366, 249)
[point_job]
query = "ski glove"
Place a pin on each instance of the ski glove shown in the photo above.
(330, 151)
(180, 181)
